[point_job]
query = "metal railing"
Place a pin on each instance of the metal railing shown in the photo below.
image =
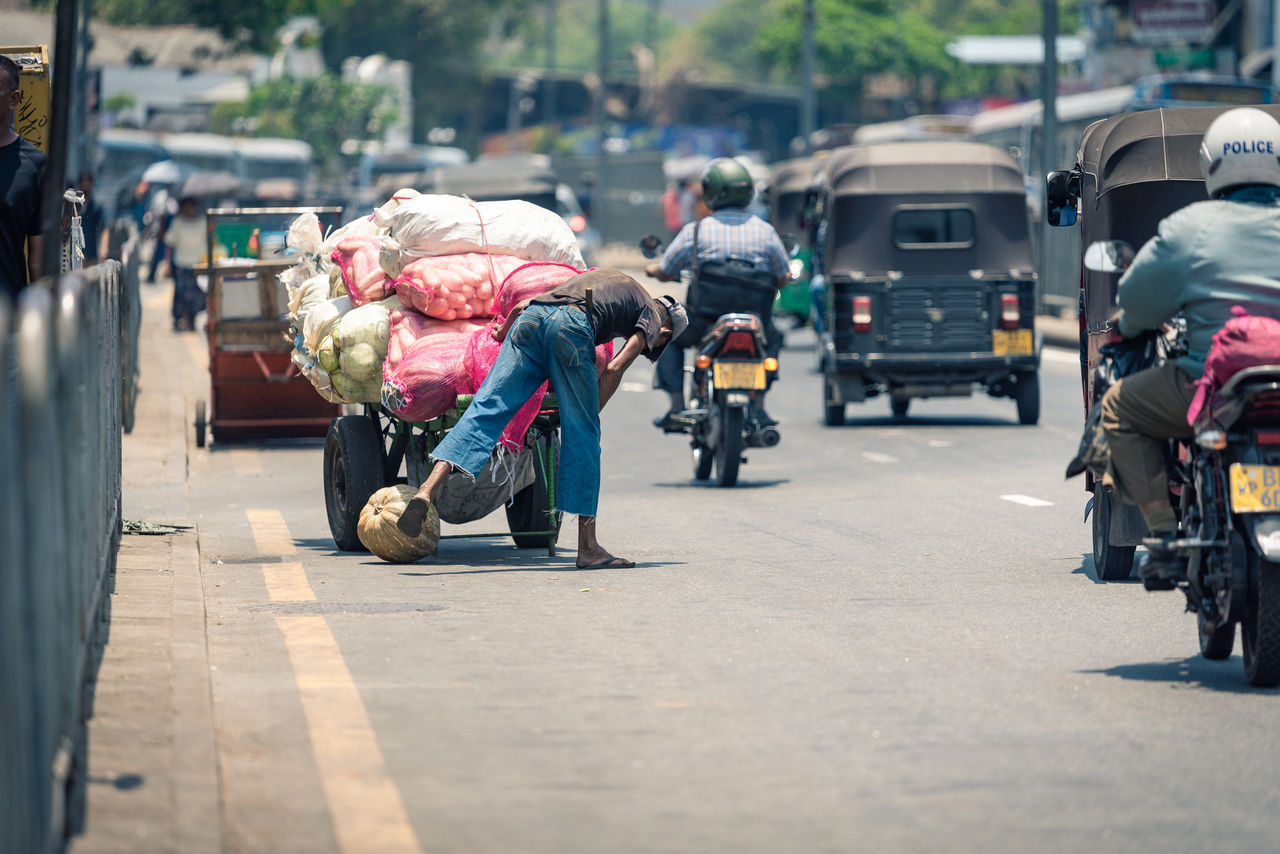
(61, 416)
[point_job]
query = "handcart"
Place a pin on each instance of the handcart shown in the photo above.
(366, 452)
(256, 390)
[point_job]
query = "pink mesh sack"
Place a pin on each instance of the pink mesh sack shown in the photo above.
(1243, 342)
(408, 326)
(427, 378)
(530, 280)
(357, 258)
(449, 287)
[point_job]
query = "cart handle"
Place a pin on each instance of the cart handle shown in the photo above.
(266, 370)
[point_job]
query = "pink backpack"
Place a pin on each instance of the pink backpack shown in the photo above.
(1244, 341)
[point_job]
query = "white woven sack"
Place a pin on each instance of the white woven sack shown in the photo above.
(452, 225)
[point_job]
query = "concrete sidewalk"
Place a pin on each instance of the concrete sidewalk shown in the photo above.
(153, 778)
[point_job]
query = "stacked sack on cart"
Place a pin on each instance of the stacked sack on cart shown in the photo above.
(399, 307)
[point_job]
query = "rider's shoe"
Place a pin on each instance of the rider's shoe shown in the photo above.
(669, 423)
(1163, 567)
(764, 419)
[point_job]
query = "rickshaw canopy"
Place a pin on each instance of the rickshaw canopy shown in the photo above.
(936, 208)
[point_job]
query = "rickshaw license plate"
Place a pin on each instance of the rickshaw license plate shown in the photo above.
(1011, 342)
(739, 374)
(1255, 489)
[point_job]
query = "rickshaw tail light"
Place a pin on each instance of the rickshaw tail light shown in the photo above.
(739, 342)
(1267, 437)
(1010, 313)
(703, 361)
(862, 314)
(771, 364)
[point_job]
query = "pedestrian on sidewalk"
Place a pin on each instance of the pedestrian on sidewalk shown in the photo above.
(22, 168)
(186, 240)
(553, 337)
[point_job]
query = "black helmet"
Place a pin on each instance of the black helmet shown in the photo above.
(726, 183)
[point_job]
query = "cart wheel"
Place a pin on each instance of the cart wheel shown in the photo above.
(201, 424)
(353, 471)
(530, 509)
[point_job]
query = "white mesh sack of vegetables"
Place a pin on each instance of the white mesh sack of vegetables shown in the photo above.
(451, 225)
(462, 499)
(353, 352)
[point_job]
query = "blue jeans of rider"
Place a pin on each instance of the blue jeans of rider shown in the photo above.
(546, 342)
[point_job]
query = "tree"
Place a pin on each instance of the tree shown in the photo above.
(325, 111)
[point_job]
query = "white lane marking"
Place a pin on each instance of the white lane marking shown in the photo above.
(883, 459)
(1062, 357)
(939, 443)
(1027, 500)
(635, 387)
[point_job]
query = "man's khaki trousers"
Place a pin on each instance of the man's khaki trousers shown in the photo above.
(1139, 413)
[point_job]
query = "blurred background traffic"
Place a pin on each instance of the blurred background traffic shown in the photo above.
(603, 110)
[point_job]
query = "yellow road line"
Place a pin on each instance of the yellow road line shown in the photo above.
(364, 803)
(286, 580)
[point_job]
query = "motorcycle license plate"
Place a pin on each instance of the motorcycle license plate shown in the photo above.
(1255, 489)
(739, 374)
(1011, 342)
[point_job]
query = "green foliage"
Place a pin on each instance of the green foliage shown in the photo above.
(324, 111)
(251, 24)
(762, 39)
(577, 22)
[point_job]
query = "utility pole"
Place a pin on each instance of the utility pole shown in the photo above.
(549, 81)
(1049, 118)
(601, 188)
(808, 109)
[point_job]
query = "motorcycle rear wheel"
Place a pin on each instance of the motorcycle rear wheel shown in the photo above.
(729, 448)
(1260, 628)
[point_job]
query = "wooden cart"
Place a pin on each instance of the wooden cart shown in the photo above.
(256, 391)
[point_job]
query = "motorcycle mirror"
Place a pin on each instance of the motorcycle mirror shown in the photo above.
(649, 245)
(1108, 256)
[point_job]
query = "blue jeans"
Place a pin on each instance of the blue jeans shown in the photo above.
(546, 342)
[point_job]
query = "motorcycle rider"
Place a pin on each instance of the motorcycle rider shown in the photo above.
(724, 231)
(1204, 259)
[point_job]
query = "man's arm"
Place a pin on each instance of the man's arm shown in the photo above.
(35, 258)
(1151, 291)
(500, 333)
(611, 376)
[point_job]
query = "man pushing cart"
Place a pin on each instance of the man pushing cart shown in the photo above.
(553, 338)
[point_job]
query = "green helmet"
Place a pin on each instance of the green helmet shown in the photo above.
(726, 183)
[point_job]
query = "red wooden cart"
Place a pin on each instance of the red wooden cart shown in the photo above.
(256, 391)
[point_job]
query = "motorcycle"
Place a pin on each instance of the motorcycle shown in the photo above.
(730, 368)
(1227, 486)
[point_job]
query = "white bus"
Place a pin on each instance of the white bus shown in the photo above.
(208, 152)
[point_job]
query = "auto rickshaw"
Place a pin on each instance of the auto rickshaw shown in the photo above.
(931, 288)
(1132, 170)
(788, 188)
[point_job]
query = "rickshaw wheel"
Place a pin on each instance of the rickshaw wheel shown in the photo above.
(201, 424)
(353, 466)
(1110, 563)
(1028, 397)
(832, 413)
(530, 508)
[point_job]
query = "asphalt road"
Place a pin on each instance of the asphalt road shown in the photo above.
(886, 638)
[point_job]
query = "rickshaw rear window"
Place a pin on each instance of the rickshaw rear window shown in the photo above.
(933, 228)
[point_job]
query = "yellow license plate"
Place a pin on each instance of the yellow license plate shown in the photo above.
(1011, 342)
(739, 374)
(1255, 489)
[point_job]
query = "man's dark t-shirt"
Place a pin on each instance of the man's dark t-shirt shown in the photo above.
(22, 168)
(619, 306)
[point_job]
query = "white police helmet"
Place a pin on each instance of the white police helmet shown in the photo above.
(1241, 147)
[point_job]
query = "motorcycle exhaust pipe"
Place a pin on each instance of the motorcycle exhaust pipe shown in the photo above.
(765, 437)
